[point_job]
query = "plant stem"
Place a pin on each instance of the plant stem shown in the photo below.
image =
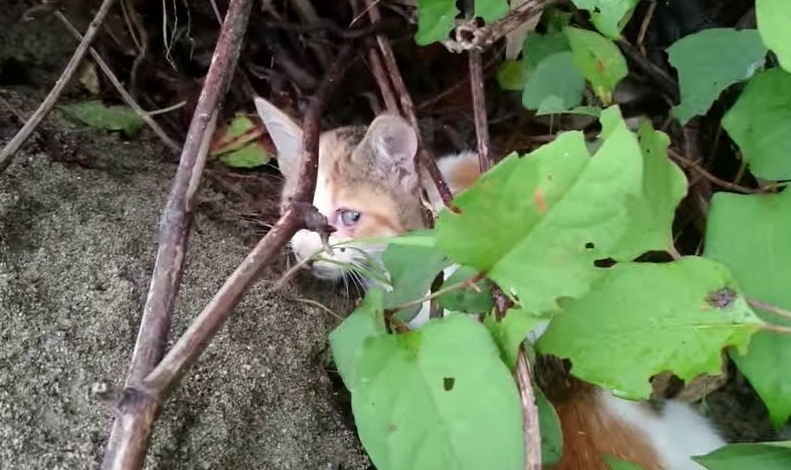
(432, 295)
(769, 308)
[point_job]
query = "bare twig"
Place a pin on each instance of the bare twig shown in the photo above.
(773, 309)
(146, 117)
(479, 110)
(655, 72)
(529, 412)
(694, 165)
(142, 400)
(132, 430)
(407, 106)
(380, 74)
(468, 36)
(7, 154)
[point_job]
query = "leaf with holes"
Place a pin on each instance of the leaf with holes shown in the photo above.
(651, 318)
(763, 456)
(609, 16)
(749, 235)
(347, 339)
(413, 396)
(652, 213)
(773, 18)
(599, 60)
(760, 123)
(536, 225)
(710, 61)
(96, 114)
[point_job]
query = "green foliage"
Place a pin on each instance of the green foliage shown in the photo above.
(474, 298)
(557, 207)
(599, 60)
(551, 434)
(237, 145)
(412, 269)
(428, 420)
(609, 16)
(774, 17)
(710, 61)
(759, 258)
(510, 333)
(616, 464)
(436, 18)
(96, 114)
(554, 86)
(763, 456)
(652, 317)
(760, 124)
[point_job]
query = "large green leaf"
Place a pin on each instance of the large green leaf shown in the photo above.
(476, 298)
(412, 269)
(760, 123)
(599, 60)
(438, 397)
(643, 318)
(774, 18)
(554, 86)
(346, 341)
(511, 332)
(710, 61)
(537, 224)
(750, 235)
(652, 213)
(609, 16)
(94, 113)
(759, 456)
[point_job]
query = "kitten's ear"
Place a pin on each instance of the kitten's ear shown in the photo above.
(286, 135)
(394, 144)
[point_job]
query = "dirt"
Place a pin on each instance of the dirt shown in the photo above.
(78, 224)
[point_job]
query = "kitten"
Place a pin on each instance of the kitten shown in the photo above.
(368, 187)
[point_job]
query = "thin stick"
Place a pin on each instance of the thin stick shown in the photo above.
(714, 179)
(407, 106)
(7, 154)
(380, 74)
(769, 308)
(146, 117)
(479, 111)
(131, 432)
(467, 36)
(657, 73)
(529, 412)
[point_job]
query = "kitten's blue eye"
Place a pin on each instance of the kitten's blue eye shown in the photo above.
(350, 217)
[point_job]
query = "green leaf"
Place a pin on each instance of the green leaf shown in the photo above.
(491, 10)
(710, 61)
(511, 75)
(537, 224)
(511, 332)
(438, 397)
(412, 269)
(538, 47)
(774, 18)
(250, 156)
(653, 211)
(652, 318)
(599, 60)
(237, 144)
(435, 19)
(554, 86)
(346, 341)
(474, 299)
(760, 123)
(617, 464)
(761, 456)
(549, 427)
(750, 235)
(609, 16)
(112, 118)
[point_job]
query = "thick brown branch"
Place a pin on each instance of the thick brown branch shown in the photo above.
(132, 430)
(7, 154)
(142, 401)
(467, 36)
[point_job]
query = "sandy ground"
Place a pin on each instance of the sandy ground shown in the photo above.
(77, 244)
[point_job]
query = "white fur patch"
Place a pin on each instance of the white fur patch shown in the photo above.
(676, 435)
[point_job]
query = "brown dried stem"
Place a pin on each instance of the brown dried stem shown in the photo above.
(530, 425)
(7, 154)
(146, 117)
(141, 401)
(479, 110)
(467, 36)
(407, 106)
(132, 429)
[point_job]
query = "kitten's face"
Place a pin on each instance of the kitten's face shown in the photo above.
(367, 187)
